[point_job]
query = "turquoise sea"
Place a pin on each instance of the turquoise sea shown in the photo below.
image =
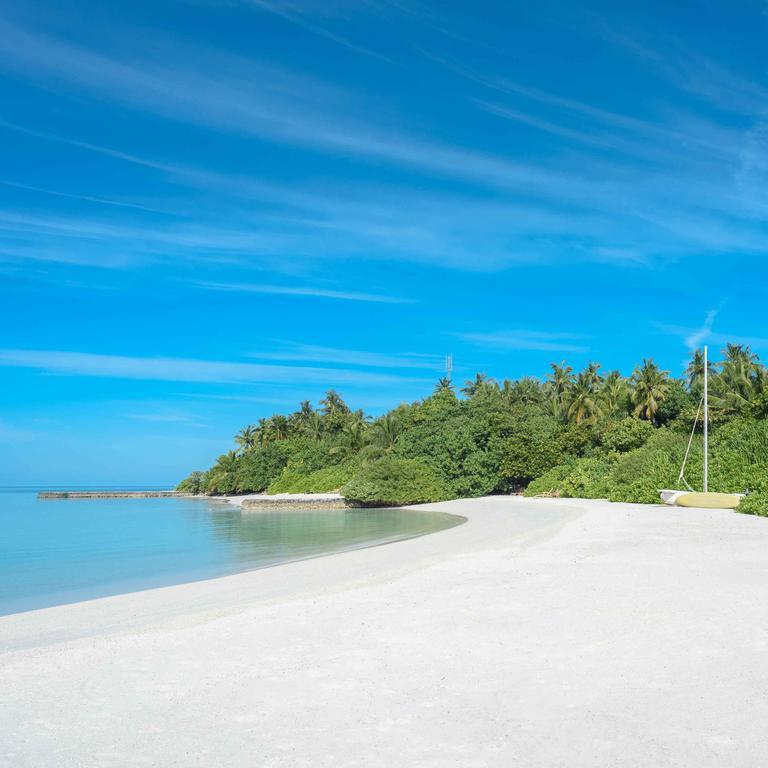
(61, 551)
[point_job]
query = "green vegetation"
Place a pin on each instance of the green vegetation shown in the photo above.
(575, 434)
(390, 482)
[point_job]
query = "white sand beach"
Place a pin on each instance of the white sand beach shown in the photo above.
(538, 633)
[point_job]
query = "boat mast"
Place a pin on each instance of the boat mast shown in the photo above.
(706, 422)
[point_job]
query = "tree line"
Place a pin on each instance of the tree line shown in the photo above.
(489, 436)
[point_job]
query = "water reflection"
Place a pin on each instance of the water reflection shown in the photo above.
(54, 552)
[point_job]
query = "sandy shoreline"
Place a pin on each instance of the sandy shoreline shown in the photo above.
(539, 633)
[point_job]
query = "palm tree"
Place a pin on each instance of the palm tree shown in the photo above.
(740, 380)
(388, 429)
(333, 404)
(247, 438)
(614, 394)
(313, 427)
(227, 462)
(480, 385)
(556, 388)
(583, 402)
(650, 386)
(303, 415)
(444, 387)
(351, 439)
(525, 391)
(560, 380)
(279, 426)
(695, 373)
(592, 375)
(263, 432)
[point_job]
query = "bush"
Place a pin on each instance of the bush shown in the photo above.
(311, 455)
(394, 482)
(639, 475)
(577, 439)
(739, 458)
(320, 481)
(530, 452)
(197, 482)
(626, 435)
(260, 466)
(551, 482)
(584, 478)
(755, 504)
(463, 443)
(221, 483)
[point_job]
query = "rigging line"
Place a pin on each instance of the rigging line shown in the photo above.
(681, 476)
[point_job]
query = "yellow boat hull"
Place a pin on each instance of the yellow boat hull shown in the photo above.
(709, 500)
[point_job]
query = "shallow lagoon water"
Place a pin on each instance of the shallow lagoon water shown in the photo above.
(54, 552)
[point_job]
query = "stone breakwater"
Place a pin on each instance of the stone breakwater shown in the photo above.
(106, 494)
(288, 502)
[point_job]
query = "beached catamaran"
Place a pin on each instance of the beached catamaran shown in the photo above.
(689, 497)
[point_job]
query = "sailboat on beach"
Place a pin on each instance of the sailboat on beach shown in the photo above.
(689, 497)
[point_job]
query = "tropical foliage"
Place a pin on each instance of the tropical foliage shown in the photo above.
(575, 433)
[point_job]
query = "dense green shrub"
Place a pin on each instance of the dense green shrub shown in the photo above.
(462, 441)
(639, 475)
(260, 466)
(320, 481)
(577, 439)
(583, 478)
(311, 455)
(530, 451)
(197, 482)
(739, 458)
(393, 482)
(676, 402)
(626, 434)
(755, 504)
(551, 482)
(221, 482)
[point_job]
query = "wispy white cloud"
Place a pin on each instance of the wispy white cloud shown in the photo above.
(239, 96)
(185, 369)
(316, 354)
(543, 341)
(694, 339)
(166, 418)
(84, 198)
(294, 14)
(298, 290)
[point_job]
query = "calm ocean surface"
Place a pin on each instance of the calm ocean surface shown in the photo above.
(54, 552)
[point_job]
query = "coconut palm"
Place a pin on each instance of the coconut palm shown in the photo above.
(247, 438)
(303, 415)
(614, 394)
(351, 439)
(263, 432)
(333, 404)
(583, 402)
(560, 380)
(313, 426)
(279, 427)
(694, 373)
(387, 430)
(592, 375)
(650, 386)
(480, 385)
(227, 462)
(741, 379)
(444, 387)
(525, 391)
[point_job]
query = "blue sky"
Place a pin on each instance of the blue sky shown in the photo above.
(210, 210)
